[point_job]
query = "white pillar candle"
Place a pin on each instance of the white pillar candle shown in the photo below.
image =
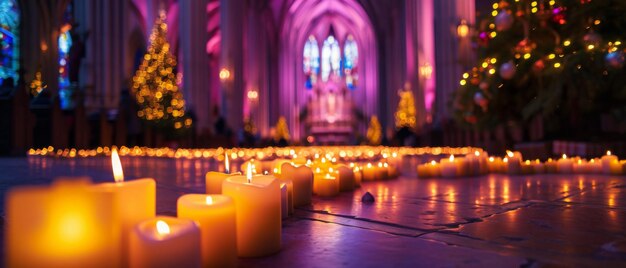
(258, 208)
(215, 215)
(565, 165)
(448, 167)
(302, 178)
(165, 242)
(346, 178)
(514, 162)
(213, 181)
(64, 225)
(135, 200)
(610, 164)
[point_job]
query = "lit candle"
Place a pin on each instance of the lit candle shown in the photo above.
(448, 167)
(580, 166)
(514, 162)
(165, 242)
(64, 225)
(358, 176)
(258, 210)
(494, 165)
(215, 215)
(325, 185)
(538, 167)
(346, 178)
(595, 166)
(302, 179)
(135, 200)
(610, 164)
(369, 172)
(565, 165)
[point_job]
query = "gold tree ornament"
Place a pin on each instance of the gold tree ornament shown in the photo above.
(406, 113)
(374, 131)
(282, 131)
(155, 83)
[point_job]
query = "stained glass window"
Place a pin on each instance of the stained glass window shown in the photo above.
(311, 61)
(65, 45)
(351, 62)
(9, 39)
(331, 58)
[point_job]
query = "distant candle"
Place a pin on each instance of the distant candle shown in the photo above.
(449, 167)
(565, 165)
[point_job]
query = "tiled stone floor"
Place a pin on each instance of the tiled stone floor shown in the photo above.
(486, 221)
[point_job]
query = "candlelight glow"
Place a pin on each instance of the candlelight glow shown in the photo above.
(369, 165)
(564, 156)
(608, 152)
(505, 160)
(476, 153)
(433, 162)
(509, 153)
(491, 159)
(451, 158)
(118, 173)
(249, 173)
(527, 162)
(209, 200)
(162, 227)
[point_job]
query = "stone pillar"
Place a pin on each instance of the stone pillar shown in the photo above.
(195, 60)
(232, 28)
(448, 66)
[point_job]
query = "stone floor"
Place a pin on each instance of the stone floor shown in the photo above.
(487, 221)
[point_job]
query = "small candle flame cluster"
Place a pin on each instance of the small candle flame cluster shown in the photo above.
(513, 163)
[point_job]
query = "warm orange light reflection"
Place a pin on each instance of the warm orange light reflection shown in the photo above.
(162, 227)
(209, 200)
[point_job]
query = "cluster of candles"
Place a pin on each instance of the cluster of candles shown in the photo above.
(74, 223)
(480, 163)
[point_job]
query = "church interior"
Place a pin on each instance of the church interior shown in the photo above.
(337, 133)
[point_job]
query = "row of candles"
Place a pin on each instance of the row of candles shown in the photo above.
(480, 163)
(74, 223)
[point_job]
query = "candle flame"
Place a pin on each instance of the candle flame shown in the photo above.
(505, 160)
(380, 164)
(227, 163)
(527, 162)
(476, 153)
(330, 169)
(491, 159)
(385, 165)
(433, 162)
(209, 200)
(162, 227)
(249, 173)
(369, 165)
(608, 152)
(451, 158)
(564, 156)
(118, 173)
(265, 172)
(593, 160)
(276, 170)
(579, 161)
(509, 153)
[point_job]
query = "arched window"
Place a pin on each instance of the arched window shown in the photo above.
(311, 61)
(351, 62)
(65, 45)
(9, 39)
(331, 58)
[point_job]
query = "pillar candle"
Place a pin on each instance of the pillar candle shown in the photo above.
(325, 185)
(284, 200)
(302, 178)
(538, 167)
(448, 167)
(550, 166)
(135, 200)
(494, 165)
(215, 215)
(64, 225)
(565, 165)
(527, 167)
(595, 166)
(213, 181)
(610, 164)
(514, 162)
(462, 167)
(346, 178)
(381, 171)
(165, 242)
(358, 176)
(258, 208)
(369, 172)
(423, 171)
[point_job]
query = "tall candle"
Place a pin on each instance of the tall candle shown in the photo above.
(64, 225)
(302, 178)
(165, 242)
(135, 200)
(346, 178)
(448, 167)
(215, 215)
(565, 165)
(258, 208)
(610, 164)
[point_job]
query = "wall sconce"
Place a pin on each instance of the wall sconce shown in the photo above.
(462, 30)
(426, 71)
(224, 74)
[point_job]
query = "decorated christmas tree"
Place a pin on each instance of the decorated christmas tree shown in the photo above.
(405, 114)
(281, 130)
(374, 131)
(161, 103)
(561, 60)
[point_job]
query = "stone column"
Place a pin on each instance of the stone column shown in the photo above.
(448, 14)
(195, 60)
(232, 27)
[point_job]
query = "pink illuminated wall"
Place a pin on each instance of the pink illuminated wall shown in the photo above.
(315, 17)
